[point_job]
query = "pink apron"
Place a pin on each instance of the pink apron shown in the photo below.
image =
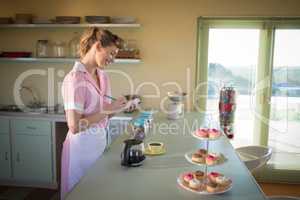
(81, 150)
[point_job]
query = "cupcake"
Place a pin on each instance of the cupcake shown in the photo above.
(199, 175)
(202, 152)
(214, 133)
(213, 175)
(198, 158)
(187, 177)
(202, 133)
(195, 184)
(212, 187)
(223, 181)
(212, 159)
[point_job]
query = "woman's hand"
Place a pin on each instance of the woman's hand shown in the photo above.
(133, 104)
(116, 106)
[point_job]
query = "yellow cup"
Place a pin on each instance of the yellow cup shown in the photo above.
(155, 147)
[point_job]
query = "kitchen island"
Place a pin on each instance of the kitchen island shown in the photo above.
(157, 177)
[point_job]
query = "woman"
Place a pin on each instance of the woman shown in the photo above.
(85, 93)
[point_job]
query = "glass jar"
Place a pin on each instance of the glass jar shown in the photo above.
(74, 46)
(59, 49)
(42, 48)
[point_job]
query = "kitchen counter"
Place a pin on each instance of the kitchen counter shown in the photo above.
(42, 116)
(157, 177)
(55, 117)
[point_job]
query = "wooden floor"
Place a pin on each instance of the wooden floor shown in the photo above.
(27, 193)
(280, 189)
(20, 193)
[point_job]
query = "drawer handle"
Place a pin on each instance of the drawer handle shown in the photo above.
(31, 127)
(6, 156)
(18, 157)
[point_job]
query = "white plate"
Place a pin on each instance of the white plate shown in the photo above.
(149, 153)
(203, 192)
(188, 156)
(206, 139)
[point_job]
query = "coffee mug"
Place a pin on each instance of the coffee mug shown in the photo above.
(155, 147)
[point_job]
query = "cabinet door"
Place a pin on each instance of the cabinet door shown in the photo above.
(31, 127)
(4, 126)
(32, 158)
(5, 162)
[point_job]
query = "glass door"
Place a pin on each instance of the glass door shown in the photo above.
(232, 61)
(260, 58)
(284, 125)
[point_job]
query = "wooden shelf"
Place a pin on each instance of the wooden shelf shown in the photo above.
(66, 60)
(69, 25)
(63, 60)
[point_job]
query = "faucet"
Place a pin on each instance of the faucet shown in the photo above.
(35, 103)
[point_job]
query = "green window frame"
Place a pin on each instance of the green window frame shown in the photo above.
(267, 27)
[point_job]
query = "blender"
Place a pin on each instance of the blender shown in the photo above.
(176, 105)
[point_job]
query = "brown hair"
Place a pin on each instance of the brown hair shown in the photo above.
(94, 34)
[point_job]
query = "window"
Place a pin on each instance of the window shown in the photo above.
(284, 134)
(259, 58)
(232, 61)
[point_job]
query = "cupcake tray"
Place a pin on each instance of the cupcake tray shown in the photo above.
(206, 138)
(188, 156)
(202, 190)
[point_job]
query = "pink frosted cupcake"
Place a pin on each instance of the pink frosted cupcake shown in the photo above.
(211, 159)
(213, 175)
(201, 132)
(188, 177)
(195, 184)
(214, 133)
(223, 181)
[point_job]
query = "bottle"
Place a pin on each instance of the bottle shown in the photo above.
(227, 106)
(74, 45)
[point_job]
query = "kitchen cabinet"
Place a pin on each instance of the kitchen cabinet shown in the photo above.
(72, 26)
(30, 148)
(26, 152)
(32, 155)
(5, 154)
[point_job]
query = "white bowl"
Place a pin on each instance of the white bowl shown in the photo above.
(254, 157)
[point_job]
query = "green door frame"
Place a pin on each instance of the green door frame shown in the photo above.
(263, 89)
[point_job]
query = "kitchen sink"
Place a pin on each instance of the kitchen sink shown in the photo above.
(15, 108)
(10, 108)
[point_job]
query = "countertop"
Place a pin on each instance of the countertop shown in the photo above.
(55, 117)
(157, 177)
(30, 115)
